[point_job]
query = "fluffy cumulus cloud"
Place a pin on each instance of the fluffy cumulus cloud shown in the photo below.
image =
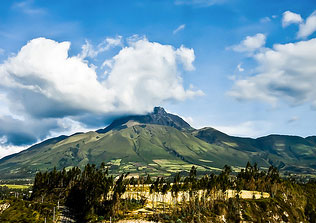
(291, 18)
(43, 87)
(43, 81)
(286, 72)
(309, 27)
(306, 28)
(251, 43)
(146, 73)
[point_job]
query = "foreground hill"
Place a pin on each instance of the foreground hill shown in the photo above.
(161, 144)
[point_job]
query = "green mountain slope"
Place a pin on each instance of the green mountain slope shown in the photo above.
(161, 144)
(295, 153)
(289, 153)
(146, 148)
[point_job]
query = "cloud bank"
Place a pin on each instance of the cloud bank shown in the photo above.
(284, 73)
(42, 85)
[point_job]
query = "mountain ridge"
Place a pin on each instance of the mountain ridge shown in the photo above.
(162, 143)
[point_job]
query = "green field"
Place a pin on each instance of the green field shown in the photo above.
(14, 186)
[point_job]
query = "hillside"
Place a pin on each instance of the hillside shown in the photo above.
(161, 144)
(292, 154)
(146, 148)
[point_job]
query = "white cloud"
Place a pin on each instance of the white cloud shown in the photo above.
(291, 18)
(186, 56)
(28, 8)
(4, 103)
(268, 19)
(43, 86)
(88, 50)
(67, 126)
(286, 72)
(43, 74)
(140, 84)
(251, 43)
(107, 63)
(2, 51)
(181, 27)
(240, 68)
(6, 150)
(246, 129)
(3, 140)
(265, 19)
(307, 28)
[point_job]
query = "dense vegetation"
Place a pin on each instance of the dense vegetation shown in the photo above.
(93, 194)
(16, 206)
(26, 211)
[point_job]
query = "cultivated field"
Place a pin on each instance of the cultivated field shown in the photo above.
(15, 186)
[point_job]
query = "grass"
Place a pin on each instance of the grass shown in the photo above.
(206, 161)
(231, 144)
(14, 186)
(116, 162)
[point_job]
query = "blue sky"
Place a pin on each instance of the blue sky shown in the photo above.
(245, 67)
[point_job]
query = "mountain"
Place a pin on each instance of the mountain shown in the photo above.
(289, 153)
(158, 117)
(160, 143)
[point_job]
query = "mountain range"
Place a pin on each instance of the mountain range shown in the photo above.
(161, 143)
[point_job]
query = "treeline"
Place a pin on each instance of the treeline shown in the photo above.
(250, 178)
(93, 194)
(207, 197)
